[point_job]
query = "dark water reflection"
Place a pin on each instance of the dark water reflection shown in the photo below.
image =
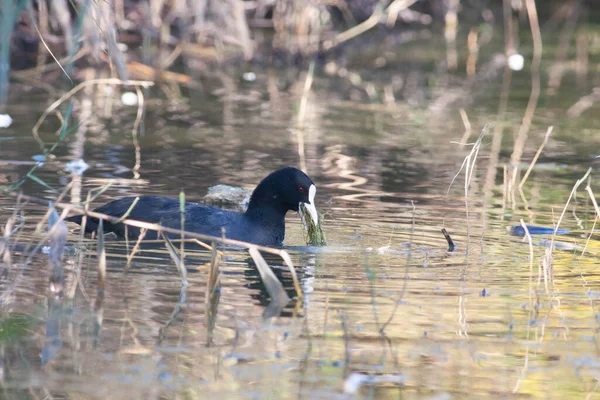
(385, 298)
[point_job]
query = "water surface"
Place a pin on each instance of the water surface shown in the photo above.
(385, 303)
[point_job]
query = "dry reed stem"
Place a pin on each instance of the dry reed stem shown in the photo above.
(450, 29)
(101, 257)
(134, 132)
(39, 226)
(272, 284)
(176, 259)
(473, 46)
(136, 248)
(214, 276)
(42, 9)
(469, 166)
(556, 72)
(305, 92)
(591, 193)
(465, 120)
(533, 97)
(50, 51)
(531, 256)
(10, 228)
(547, 259)
(371, 22)
(48, 234)
(302, 113)
(182, 222)
(70, 93)
(124, 216)
(537, 155)
(587, 242)
(577, 184)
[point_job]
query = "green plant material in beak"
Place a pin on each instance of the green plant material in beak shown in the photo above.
(314, 234)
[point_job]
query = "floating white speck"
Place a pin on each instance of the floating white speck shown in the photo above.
(129, 99)
(516, 62)
(76, 167)
(39, 158)
(356, 380)
(249, 76)
(5, 121)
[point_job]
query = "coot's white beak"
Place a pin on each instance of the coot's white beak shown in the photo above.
(310, 206)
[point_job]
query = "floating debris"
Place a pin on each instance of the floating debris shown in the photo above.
(39, 158)
(77, 167)
(357, 379)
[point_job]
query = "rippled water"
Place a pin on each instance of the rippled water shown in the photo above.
(388, 311)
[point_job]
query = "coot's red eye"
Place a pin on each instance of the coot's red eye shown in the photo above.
(301, 189)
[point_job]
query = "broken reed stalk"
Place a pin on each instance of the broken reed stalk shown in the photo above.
(161, 229)
(537, 155)
(272, 284)
(465, 120)
(176, 259)
(136, 248)
(214, 276)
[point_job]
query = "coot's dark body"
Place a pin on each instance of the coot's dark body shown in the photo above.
(263, 223)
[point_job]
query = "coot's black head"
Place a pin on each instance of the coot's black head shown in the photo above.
(284, 190)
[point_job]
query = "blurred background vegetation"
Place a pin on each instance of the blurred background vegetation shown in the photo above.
(59, 41)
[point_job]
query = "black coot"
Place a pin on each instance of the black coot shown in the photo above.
(263, 223)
